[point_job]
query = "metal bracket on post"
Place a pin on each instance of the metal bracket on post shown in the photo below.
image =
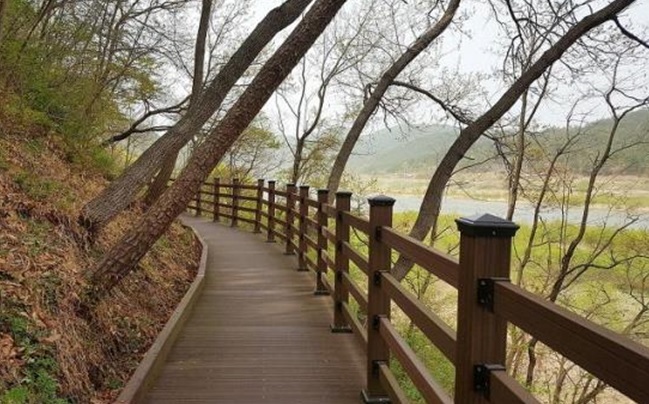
(376, 322)
(481, 374)
(376, 278)
(486, 292)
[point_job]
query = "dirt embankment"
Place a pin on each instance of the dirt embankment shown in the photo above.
(47, 353)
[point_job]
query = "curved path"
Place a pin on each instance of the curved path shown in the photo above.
(257, 333)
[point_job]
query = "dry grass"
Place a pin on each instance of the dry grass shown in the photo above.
(47, 352)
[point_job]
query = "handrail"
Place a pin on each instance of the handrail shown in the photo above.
(304, 225)
(439, 264)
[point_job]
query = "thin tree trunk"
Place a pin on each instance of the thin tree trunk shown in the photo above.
(370, 105)
(159, 184)
(432, 201)
(515, 176)
(199, 52)
(123, 257)
(121, 192)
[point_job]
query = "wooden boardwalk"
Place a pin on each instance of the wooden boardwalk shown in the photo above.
(258, 333)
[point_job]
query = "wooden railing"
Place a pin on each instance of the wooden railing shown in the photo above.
(487, 300)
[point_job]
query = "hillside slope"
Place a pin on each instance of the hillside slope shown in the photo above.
(47, 353)
(417, 150)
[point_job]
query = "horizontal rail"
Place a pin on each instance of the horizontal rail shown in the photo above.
(312, 203)
(245, 209)
(330, 263)
(245, 219)
(279, 234)
(391, 385)
(434, 328)
(505, 389)
(620, 362)
(311, 222)
(327, 286)
(444, 267)
(355, 291)
(427, 386)
(294, 246)
(356, 257)
(329, 210)
(329, 235)
(310, 263)
(355, 325)
(247, 198)
(311, 242)
(356, 222)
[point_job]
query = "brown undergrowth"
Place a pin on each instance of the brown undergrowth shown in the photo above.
(47, 353)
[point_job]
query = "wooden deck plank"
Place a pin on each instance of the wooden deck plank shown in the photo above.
(257, 333)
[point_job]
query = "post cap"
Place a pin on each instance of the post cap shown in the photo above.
(260, 180)
(381, 200)
(486, 225)
(289, 185)
(304, 187)
(343, 194)
(323, 191)
(271, 181)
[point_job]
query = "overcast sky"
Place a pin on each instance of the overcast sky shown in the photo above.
(475, 52)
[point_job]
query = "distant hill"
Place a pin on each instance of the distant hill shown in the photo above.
(418, 149)
(414, 149)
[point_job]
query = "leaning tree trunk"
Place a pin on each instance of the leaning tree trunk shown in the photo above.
(123, 191)
(432, 202)
(119, 261)
(159, 184)
(370, 105)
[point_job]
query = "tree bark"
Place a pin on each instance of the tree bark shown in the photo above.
(121, 192)
(199, 52)
(159, 184)
(370, 105)
(431, 204)
(120, 260)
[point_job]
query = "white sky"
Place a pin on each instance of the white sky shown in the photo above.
(476, 53)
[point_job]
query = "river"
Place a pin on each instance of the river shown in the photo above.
(598, 215)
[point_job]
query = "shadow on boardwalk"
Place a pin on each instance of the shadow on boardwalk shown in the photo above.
(257, 332)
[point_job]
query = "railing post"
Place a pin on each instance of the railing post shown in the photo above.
(271, 212)
(378, 303)
(323, 221)
(260, 198)
(485, 249)
(235, 202)
(199, 211)
(290, 206)
(341, 294)
(304, 212)
(217, 190)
